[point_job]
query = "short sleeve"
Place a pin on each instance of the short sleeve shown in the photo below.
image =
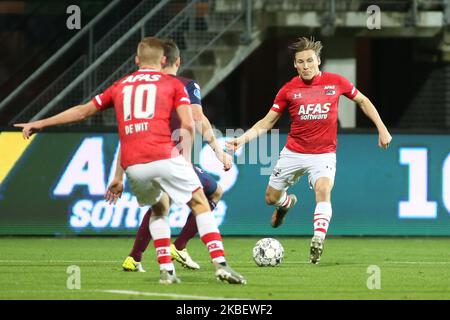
(194, 92)
(280, 102)
(181, 96)
(104, 100)
(347, 88)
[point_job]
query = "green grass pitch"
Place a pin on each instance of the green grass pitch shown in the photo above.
(411, 268)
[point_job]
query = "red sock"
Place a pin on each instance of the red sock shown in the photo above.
(210, 235)
(214, 243)
(162, 247)
(187, 233)
(160, 230)
(143, 237)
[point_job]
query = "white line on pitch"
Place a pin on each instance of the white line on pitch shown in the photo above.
(416, 262)
(236, 262)
(356, 264)
(381, 262)
(61, 261)
(168, 295)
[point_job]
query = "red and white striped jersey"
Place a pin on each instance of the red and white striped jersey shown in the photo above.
(313, 107)
(144, 101)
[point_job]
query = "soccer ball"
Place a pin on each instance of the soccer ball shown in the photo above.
(268, 252)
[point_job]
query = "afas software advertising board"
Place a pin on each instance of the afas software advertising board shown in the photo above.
(55, 183)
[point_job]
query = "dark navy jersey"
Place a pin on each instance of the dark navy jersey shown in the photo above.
(192, 88)
(208, 183)
(193, 92)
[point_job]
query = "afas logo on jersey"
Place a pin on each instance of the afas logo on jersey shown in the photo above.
(314, 108)
(314, 111)
(142, 77)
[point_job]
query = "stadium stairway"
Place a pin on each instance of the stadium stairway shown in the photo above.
(219, 49)
(59, 70)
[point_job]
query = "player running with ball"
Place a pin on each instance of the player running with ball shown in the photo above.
(312, 101)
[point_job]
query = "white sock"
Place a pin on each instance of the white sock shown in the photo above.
(160, 231)
(322, 218)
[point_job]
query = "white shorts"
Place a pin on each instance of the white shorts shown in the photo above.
(175, 176)
(292, 166)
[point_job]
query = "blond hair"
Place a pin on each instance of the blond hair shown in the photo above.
(150, 50)
(303, 44)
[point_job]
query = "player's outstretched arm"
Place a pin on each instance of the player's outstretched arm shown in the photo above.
(384, 137)
(187, 130)
(204, 127)
(262, 126)
(115, 188)
(210, 137)
(74, 114)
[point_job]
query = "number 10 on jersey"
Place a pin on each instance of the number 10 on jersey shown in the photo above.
(143, 106)
(141, 109)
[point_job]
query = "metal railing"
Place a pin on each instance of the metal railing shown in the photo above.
(195, 27)
(60, 53)
(78, 81)
(94, 50)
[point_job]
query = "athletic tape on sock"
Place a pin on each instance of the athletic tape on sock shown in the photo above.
(282, 199)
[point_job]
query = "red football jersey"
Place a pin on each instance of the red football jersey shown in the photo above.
(144, 101)
(313, 107)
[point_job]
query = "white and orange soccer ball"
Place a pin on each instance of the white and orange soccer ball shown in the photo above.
(268, 252)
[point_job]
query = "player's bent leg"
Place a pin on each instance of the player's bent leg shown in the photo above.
(211, 237)
(160, 231)
(187, 233)
(178, 249)
(315, 249)
(322, 217)
(216, 196)
(322, 188)
(213, 193)
(273, 195)
(283, 203)
(130, 264)
(199, 203)
(141, 242)
(183, 258)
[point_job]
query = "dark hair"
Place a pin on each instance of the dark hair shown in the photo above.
(171, 51)
(303, 43)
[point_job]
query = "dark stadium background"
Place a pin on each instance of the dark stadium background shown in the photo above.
(404, 68)
(397, 71)
(389, 235)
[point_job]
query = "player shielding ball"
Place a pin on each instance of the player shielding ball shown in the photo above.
(212, 190)
(311, 98)
(144, 102)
